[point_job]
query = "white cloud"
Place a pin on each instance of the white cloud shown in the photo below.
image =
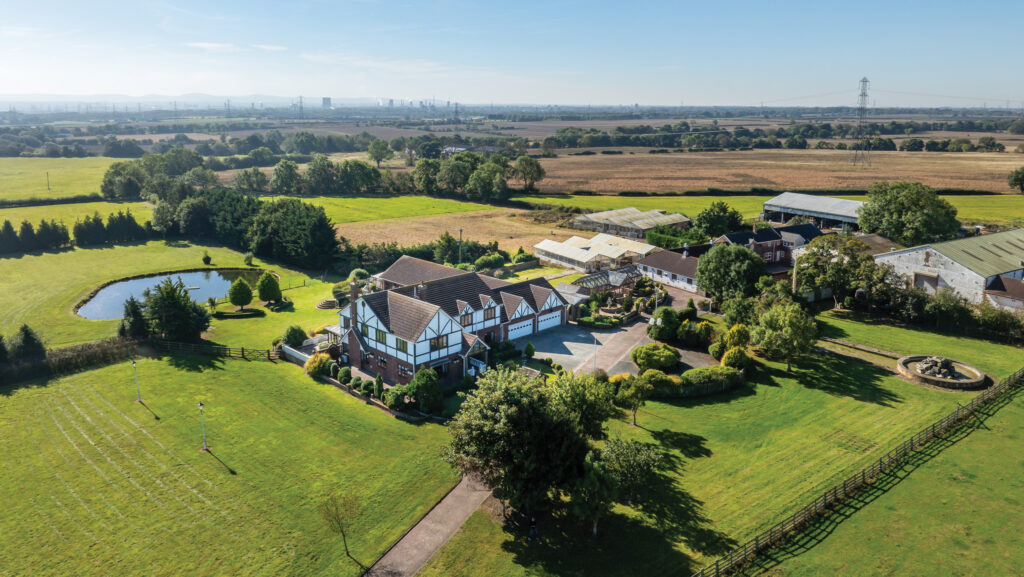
(211, 45)
(270, 47)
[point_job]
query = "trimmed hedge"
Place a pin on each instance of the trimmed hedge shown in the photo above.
(712, 377)
(600, 322)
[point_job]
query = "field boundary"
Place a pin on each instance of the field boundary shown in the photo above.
(51, 200)
(216, 350)
(777, 534)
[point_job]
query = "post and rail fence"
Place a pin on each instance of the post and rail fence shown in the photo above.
(777, 533)
(216, 350)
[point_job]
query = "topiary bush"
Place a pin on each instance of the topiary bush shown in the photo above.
(712, 377)
(358, 274)
(334, 368)
(366, 387)
(716, 349)
(247, 259)
(344, 375)
(293, 336)
(736, 358)
(356, 383)
(378, 387)
(529, 350)
(318, 364)
(206, 258)
(655, 356)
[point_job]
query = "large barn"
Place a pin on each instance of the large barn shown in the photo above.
(823, 211)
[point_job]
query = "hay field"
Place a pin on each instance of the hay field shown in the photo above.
(26, 177)
(777, 169)
(505, 226)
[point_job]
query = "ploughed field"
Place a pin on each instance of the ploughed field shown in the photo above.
(775, 169)
(94, 483)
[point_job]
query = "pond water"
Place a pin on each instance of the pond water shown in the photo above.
(109, 301)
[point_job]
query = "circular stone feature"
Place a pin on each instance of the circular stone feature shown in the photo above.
(941, 372)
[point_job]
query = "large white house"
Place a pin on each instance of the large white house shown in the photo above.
(446, 324)
(970, 266)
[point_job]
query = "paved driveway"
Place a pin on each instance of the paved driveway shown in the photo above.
(574, 347)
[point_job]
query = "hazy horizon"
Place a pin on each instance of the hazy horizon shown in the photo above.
(530, 53)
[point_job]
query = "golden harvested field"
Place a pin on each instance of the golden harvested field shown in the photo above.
(777, 169)
(505, 226)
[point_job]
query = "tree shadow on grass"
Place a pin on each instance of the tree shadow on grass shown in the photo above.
(841, 377)
(815, 532)
(240, 314)
(745, 389)
(688, 445)
(193, 363)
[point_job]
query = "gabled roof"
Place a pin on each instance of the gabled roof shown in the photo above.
(582, 249)
(987, 254)
(403, 316)
(1007, 287)
(631, 217)
(813, 203)
(878, 244)
(409, 270)
(807, 232)
(615, 277)
(761, 235)
(671, 262)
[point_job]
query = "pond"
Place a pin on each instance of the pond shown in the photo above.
(108, 303)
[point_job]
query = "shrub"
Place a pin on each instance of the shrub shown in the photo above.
(344, 375)
(529, 350)
(737, 337)
(366, 387)
(247, 259)
(662, 385)
(714, 376)
(494, 260)
(426, 388)
(655, 356)
(3, 351)
(849, 302)
(356, 383)
(240, 293)
(206, 258)
(689, 313)
(393, 398)
(716, 349)
(318, 364)
(334, 369)
(293, 336)
(600, 322)
(547, 361)
(627, 303)
(358, 274)
(378, 387)
(736, 358)
(665, 324)
(268, 289)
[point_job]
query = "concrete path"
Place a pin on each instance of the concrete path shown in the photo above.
(613, 355)
(413, 550)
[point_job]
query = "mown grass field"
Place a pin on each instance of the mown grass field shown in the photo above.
(994, 358)
(26, 177)
(776, 169)
(42, 289)
(346, 209)
(94, 483)
(737, 463)
(948, 513)
(532, 273)
(69, 213)
(974, 209)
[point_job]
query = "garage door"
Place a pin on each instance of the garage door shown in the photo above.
(549, 320)
(520, 329)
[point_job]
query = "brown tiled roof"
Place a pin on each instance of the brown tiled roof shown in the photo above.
(409, 270)
(409, 316)
(1007, 287)
(671, 262)
(878, 244)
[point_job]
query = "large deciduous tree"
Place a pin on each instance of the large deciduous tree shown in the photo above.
(729, 270)
(240, 293)
(910, 213)
(1016, 179)
(594, 491)
(833, 262)
(785, 331)
(379, 151)
(528, 170)
(718, 219)
(267, 287)
(123, 181)
(286, 179)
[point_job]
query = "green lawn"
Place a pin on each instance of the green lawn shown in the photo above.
(996, 359)
(42, 289)
(532, 273)
(26, 177)
(566, 279)
(738, 463)
(343, 209)
(96, 484)
(958, 513)
(69, 213)
(1002, 209)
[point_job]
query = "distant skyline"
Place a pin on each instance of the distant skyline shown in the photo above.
(572, 53)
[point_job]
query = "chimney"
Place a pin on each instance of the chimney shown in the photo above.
(354, 290)
(686, 249)
(419, 291)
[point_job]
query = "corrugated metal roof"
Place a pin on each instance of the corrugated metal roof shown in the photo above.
(825, 205)
(989, 254)
(631, 217)
(582, 249)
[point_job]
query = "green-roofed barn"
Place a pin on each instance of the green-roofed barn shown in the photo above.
(976, 267)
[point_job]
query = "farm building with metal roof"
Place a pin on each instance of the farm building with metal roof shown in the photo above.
(970, 266)
(602, 252)
(629, 221)
(824, 211)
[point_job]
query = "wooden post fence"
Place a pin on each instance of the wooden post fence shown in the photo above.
(840, 491)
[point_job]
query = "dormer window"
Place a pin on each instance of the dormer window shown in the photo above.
(489, 313)
(466, 319)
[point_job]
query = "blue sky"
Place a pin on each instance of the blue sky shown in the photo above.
(593, 52)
